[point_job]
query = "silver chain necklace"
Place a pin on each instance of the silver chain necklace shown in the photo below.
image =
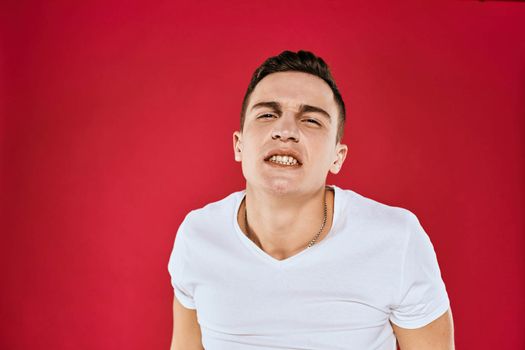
(311, 243)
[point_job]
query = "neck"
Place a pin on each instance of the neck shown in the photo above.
(284, 225)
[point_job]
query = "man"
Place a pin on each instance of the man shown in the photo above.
(290, 263)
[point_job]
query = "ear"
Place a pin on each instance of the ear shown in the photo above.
(237, 145)
(340, 156)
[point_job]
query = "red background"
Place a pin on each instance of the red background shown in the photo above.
(117, 119)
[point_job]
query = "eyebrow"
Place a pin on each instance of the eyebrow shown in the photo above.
(276, 106)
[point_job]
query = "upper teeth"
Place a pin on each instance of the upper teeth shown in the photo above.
(286, 160)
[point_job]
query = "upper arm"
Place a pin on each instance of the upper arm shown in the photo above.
(437, 335)
(186, 329)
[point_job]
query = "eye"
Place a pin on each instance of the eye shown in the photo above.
(312, 121)
(266, 116)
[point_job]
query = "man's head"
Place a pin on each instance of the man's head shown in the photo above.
(291, 127)
(302, 61)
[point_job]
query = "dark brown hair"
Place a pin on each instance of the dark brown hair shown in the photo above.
(300, 61)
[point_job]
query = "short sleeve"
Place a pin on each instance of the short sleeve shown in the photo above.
(422, 295)
(177, 267)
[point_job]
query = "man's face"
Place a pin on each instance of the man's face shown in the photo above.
(288, 143)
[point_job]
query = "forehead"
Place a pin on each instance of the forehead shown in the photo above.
(293, 89)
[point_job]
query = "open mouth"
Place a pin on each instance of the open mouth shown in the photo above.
(284, 160)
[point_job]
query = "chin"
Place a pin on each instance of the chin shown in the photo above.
(282, 186)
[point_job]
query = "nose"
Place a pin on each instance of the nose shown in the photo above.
(285, 129)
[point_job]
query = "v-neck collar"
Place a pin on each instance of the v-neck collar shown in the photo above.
(267, 257)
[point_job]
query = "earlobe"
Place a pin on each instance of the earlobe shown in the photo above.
(335, 168)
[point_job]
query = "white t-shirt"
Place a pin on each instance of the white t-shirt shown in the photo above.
(375, 265)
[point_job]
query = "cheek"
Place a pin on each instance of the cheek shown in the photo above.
(250, 154)
(253, 143)
(321, 148)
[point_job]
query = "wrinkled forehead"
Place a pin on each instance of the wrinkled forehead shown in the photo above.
(292, 89)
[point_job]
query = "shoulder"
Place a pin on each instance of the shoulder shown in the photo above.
(372, 211)
(213, 215)
(220, 207)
